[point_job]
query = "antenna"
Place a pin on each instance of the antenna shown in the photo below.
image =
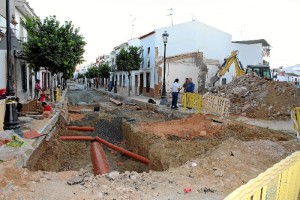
(171, 14)
(132, 25)
(193, 16)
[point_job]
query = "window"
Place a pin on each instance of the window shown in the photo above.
(148, 82)
(223, 81)
(24, 77)
(148, 57)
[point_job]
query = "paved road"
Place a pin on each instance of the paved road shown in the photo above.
(285, 126)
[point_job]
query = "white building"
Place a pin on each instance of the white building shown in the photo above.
(194, 50)
(22, 75)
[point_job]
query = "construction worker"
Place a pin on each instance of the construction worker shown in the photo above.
(190, 86)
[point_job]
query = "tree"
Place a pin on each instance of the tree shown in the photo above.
(104, 72)
(128, 60)
(50, 45)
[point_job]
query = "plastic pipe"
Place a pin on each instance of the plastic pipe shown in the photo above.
(99, 160)
(81, 128)
(86, 138)
(123, 151)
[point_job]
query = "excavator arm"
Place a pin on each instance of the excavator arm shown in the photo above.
(239, 70)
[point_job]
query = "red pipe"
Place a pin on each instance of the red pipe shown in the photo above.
(81, 128)
(123, 151)
(87, 138)
(99, 160)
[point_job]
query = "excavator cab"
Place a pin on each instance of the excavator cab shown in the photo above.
(261, 70)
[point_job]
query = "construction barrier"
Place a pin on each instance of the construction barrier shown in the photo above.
(192, 100)
(2, 113)
(295, 116)
(58, 94)
(216, 105)
(280, 182)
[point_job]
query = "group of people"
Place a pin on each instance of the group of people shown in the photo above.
(188, 86)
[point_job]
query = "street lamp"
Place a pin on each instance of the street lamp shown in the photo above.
(115, 80)
(11, 121)
(163, 99)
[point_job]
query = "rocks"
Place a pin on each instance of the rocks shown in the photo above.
(112, 175)
(76, 180)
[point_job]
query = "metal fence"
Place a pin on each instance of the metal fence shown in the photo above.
(295, 116)
(192, 100)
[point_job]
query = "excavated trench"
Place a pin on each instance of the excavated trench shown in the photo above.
(120, 125)
(109, 122)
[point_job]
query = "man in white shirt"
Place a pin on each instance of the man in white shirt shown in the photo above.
(175, 91)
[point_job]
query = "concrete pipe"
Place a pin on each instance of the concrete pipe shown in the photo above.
(99, 160)
(81, 128)
(123, 151)
(86, 138)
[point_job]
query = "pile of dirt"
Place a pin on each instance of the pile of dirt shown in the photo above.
(195, 126)
(255, 97)
(32, 106)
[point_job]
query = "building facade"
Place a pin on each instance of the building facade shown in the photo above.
(22, 74)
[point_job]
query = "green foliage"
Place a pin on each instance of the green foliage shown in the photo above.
(129, 59)
(92, 72)
(104, 71)
(80, 75)
(59, 48)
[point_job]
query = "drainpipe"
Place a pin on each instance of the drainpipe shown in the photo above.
(100, 163)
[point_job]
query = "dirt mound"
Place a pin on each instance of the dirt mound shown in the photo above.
(259, 98)
(32, 106)
(195, 126)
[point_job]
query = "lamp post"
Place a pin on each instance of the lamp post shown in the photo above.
(115, 80)
(163, 99)
(11, 121)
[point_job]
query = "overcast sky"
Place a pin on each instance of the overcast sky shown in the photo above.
(109, 23)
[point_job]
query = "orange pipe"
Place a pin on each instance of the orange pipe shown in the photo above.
(81, 128)
(87, 138)
(123, 151)
(99, 160)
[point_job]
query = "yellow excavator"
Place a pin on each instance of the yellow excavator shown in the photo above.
(261, 70)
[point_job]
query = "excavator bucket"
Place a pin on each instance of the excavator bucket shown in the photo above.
(213, 80)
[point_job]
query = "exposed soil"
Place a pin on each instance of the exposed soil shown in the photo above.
(212, 157)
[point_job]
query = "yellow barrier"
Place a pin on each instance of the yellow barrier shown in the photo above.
(58, 94)
(280, 182)
(192, 100)
(295, 116)
(2, 113)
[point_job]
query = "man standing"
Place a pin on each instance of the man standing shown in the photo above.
(185, 84)
(190, 86)
(175, 91)
(37, 89)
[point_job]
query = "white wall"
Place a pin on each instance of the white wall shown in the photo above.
(249, 54)
(3, 69)
(194, 36)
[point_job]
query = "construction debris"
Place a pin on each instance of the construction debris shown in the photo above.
(256, 97)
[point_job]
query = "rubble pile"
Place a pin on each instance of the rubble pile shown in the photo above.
(256, 97)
